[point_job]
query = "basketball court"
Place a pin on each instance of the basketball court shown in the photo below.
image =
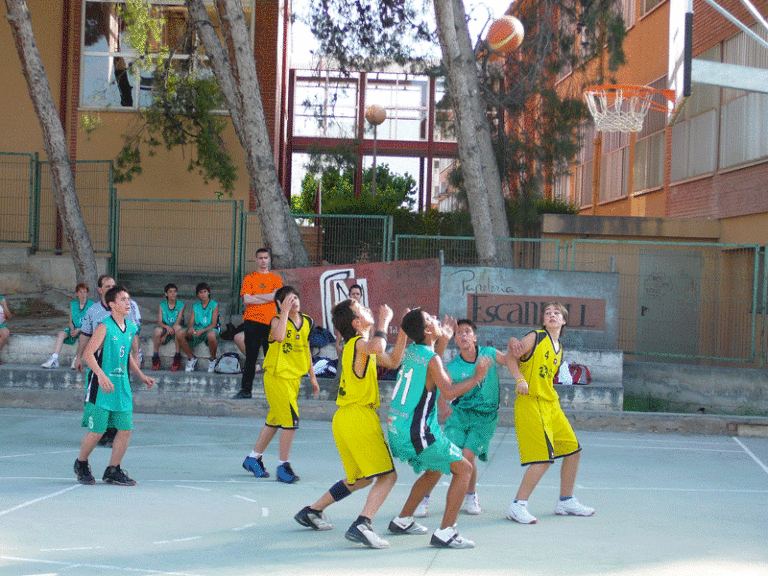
(666, 505)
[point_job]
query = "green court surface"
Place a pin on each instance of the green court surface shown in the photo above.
(666, 505)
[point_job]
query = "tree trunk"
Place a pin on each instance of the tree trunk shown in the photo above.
(478, 164)
(54, 143)
(235, 69)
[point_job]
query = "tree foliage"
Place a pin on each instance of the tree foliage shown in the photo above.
(393, 192)
(534, 126)
(185, 98)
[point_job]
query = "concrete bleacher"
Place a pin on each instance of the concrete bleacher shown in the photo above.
(24, 383)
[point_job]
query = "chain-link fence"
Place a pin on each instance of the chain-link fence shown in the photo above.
(96, 195)
(680, 299)
(527, 253)
(17, 181)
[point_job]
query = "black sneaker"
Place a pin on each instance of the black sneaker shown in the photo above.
(314, 519)
(116, 475)
(241, 395)
(363, 533)
(83, 471)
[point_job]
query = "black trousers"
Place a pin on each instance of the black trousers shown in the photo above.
(256, 335)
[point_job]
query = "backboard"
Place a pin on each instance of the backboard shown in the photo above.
(684, 70)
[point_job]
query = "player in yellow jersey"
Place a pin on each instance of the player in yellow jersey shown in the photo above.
(543, 431)
(288, 359)
(356, 425)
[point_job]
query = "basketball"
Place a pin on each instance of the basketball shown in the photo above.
(375, 114)
(505, 35)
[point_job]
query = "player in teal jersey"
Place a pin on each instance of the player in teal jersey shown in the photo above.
(170, 318)
(472, 417)
(108, 390)
(203, 327)
(69, 336)
(414, 434)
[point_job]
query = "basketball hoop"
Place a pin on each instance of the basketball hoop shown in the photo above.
(623, 108)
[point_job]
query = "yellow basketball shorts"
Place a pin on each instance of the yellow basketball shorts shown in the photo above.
(360, 442)
(543, 431)
(282, 396)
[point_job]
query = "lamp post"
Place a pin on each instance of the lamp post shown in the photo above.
(375, 115)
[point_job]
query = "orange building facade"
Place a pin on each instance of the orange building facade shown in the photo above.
(88, 63)
(712, 162)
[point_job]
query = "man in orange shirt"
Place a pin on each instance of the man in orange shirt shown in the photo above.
(258, 294)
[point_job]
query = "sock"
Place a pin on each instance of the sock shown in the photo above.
(403, 521)
(362, 520)
(443, 533)
(155, 355)
(255, 454)
(56, 356)
(522, 502)
(281, 462)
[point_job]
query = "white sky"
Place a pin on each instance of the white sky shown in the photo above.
(482, 12)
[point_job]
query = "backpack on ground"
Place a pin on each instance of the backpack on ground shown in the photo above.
(579, 375)
(319, 337)
(228, 363)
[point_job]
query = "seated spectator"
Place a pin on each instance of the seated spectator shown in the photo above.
(203, 327)
(170, 317)
(5, 314)
(70, 335)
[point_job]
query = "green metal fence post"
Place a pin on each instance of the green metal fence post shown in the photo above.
(34, 208)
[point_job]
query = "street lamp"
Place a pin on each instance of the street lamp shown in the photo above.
(375, 115)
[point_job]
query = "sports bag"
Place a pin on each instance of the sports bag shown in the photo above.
(228, 363)
(579, 374)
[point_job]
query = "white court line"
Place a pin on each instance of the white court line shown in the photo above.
(71, 549)
(751, 454)
(68, 565)
(9, 510)
(178, 540)
(646, 447)
(193, 488)
(244, 498)
(643, 489)
(251, 525)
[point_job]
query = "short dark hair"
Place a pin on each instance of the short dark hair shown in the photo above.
(356, 286)
(281, 294)
(202, 286)
(169, 286)
(468, 322)
(100, 281)
(343, 316)
(112, 293)
(82, 285)
(260, 250)
(413, 325)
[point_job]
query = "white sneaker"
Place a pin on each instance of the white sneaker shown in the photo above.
(72, 366)
(422, 509)
(572, 507)
(406, 526)
(449, 538)
(365, 534)
(51, 362)
(211, 365)
(191, 365)
(519, 513)
(471, 505)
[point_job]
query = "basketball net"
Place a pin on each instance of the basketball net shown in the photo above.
(617, 108)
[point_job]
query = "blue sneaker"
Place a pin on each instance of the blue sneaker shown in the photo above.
(256, 466)
(285, 474)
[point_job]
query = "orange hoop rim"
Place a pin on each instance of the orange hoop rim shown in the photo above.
(644, 93)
